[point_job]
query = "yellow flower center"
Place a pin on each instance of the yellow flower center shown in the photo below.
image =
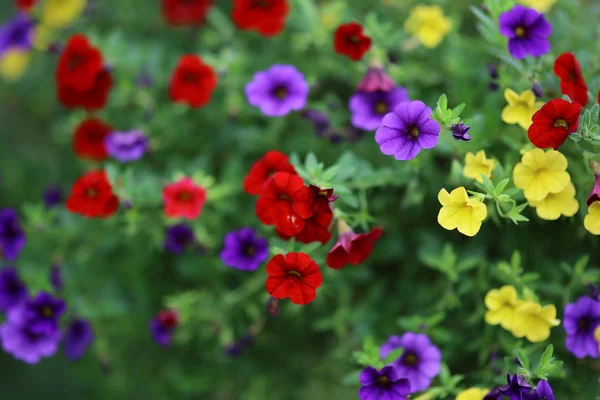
(295, 273)
(520, 31)
(281, 93)
(561, 123)
(383, 380)
(381, 107)
(414, 132)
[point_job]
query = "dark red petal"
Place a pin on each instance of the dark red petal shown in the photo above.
(362, 246)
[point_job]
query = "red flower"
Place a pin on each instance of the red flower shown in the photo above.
(185, 12)
(184, 199)
(352, 248)
(553, 123)
(25, 5)
(88, 140)
(79, 64)
(567, 68)
(93, 99)
(192, 81)
(267, 17)
(316, 229)
(168, 318)
(295, 276)
(284, 203)
(350, 41)
(320, 199)
(92, 196)
(263, 169)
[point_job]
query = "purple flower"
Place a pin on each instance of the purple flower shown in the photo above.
(42, 313)
(536, 88)
(459, 131)
(580, 320)
(78, 337)
(178, 237)
(515, 388)
(27, 344)
(56, 277)
(244, 250)
(527, 30)
(13, 291)
(12, 237)
(595, 193)
(278, 90)
(319, 119)
(17, 34)
(163, 325)
(383, 385)
(53, 196)
(376, 80)
(126, 146)
(368, 109)
(420, 361)
(544, 391)
(237, 348)
(493, 395)
(407, 130)
(493, 71)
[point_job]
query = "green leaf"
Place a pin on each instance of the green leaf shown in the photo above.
(393, 356)
(523, 359)
(351, 378)
(311, 163)
(502, 185)
(458, 110)
(546, 357)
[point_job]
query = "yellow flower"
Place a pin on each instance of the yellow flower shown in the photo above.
(43, 37)
(472, 394)
(533, 321)
(539, 5)
(60, 13)
(13, 64)
(592, 220)
(520, 108)
(597, 335)
(428, 24)
(501, 304)
(557, 204)
(477, 165)
(460, 212)
(540, 173)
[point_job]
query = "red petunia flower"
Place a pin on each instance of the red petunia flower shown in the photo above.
(349, 40)
(92, 196)
(316, 228)
(186, 12)
(88, 140)
(352, 248)
(553, 123)
(295, 276)
(192, 81)
(567, 68)
(320, 199)
(263, 169)
(184, 199)
(79, 65)
(93, 99)
(25, 5)
(284, 203)
(267, 17)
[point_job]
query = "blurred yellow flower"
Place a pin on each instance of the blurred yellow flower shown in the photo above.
(477, 165)
(501, 304)
(592, 220)
(533, 321)
(540, 173)
(520, 108)
(597, 335)
(13, 64)
(461, 212)
(556, 204)
(60, 13)
(472, 394)
(43, 37)
(428, 24)
(539, 5)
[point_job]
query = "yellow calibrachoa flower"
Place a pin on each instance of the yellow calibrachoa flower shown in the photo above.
(597, 335)
(592, 220)
(13, 64)
(501, 304)
(472, 394)
(533, 321)
(428, 24)
(43, 37)
(477, 165)
(60, 13)
(540, 173)
(461, 212)
(556, 204)
(539, 5)
(520, 108)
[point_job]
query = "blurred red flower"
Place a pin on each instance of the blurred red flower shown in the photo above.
(267, 17)
(349, 40)
(79, 64)
(567, 68)
(295, 276)
(192, 82)
(352, 248)
(184, 199)
(185, 12)
(93, 99)
(25, 5)
(88, 140)
(92, 196)
(263, 169)
(553, 123)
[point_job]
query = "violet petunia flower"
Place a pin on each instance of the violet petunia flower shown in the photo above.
(17, 34)
(595, 193)
(369, 109)
(278, 90)
(407, 130)
(178, 237)
(319, 120)
(581, 319)
(42, 313)
(420, 361)
(382, 385)
(126, 146)
(56, 279)
(12, 237)
(459, 131)
(53, 196)
(543, 391)
(527, 31)
(244, 250)
(79, 335)
(516, 387)
(236, 348)
(13, 291)
(163, 326)
(375, 80)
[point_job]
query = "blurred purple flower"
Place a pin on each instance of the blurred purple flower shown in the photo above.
(544, 391)
(13, 291)
(376, 80)
(79, 335)
(56, 277)
(12, 237)
(178, 237)
(163, 325)
(581, 319)
(383, 385)
(18, 33)
(515, 388)
(42, 312)
(244, 250)
(536, 88)
(368, 109)
(493, 71)
(53, 196)
(126, 146)
(527, 31)
(237, 348)
(319, 119)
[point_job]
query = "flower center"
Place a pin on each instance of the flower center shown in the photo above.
(561, 123)
(184, 196)
(414, 132)
(91, 192)
(383, 380)
(47, 311)
(520, 31)
(353, 39)
(284, 196)
(295, 273)
(249, 250)
(410, 359)
(583, 323)
(280, 92)
(381, 107)
(190, 77)
(74, 63)
(261, 3)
